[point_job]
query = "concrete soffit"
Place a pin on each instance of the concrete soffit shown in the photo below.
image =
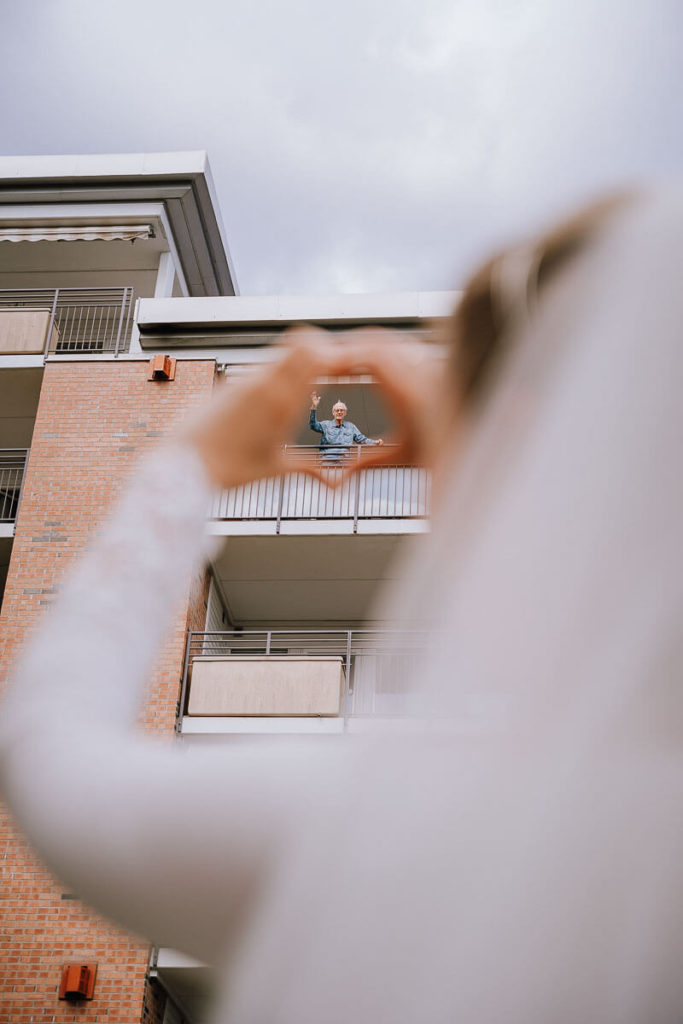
(189, 204)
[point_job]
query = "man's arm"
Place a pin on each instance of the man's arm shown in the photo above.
(313, 421)
(359, 438)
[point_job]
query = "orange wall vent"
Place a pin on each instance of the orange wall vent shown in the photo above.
(162, 368)
(78, 981)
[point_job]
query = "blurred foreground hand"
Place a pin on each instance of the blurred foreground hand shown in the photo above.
(240, 437)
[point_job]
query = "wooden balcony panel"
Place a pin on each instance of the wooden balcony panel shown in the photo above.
(24, 331)
(276, 686)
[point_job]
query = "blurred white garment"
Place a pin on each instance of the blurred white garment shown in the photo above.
(532, 874)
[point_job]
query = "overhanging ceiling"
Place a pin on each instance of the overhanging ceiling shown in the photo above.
(306, 579)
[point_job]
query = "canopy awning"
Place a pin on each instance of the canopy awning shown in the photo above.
(77, 233)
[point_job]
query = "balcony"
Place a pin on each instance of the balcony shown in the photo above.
(12, 469)
(298, 674)
(65, 320)
(386, 492)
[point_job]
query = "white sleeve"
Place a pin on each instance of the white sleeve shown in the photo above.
(96, 648)
(170, 842)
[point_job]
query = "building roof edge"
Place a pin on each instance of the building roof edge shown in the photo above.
(181, 181)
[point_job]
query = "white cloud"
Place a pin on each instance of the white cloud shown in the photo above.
(370, 144)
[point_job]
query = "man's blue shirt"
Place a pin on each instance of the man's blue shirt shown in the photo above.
(336, 438)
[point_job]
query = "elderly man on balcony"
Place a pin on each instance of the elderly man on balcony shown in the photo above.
(337, 436)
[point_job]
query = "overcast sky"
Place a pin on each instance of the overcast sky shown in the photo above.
(363, 145)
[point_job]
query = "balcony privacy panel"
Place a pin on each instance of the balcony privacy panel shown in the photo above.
(24, 331)
(274, 686)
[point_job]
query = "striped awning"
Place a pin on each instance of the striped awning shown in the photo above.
(77, 233)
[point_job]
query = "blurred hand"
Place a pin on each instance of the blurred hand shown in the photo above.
(411, 377)
(315, 400)
(241, 435)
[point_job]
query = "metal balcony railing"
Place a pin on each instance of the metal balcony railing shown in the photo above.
(87, 319)
(377, 662)
(378, 492)
(12, 469)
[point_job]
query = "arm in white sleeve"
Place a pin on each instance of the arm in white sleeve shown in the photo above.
(168, 842)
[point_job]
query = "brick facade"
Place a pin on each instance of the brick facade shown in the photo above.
(94, 421)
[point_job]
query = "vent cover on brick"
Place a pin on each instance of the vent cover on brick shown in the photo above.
(162, 368)
(78, 981)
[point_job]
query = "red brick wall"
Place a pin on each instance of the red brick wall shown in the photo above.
(94, 421)
(159, 713)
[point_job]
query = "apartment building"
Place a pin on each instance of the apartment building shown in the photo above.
(118, 314)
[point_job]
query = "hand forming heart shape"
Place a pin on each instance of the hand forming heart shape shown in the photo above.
(242, 435)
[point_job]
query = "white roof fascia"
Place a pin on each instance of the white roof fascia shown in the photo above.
(99, 165)
(281, 310)
(82, 213)
(213, 199)
(181, 181)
